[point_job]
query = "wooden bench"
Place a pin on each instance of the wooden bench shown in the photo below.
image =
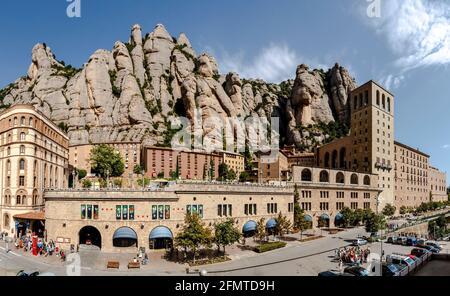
(134, 265)
(113, 264)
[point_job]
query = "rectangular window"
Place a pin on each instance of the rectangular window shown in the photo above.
(21, 181)
(188, 209)
(83, 212)
(96, 212)
(161, 212)
(200, 211)
(118, 212)
(219, 210)
(131, 212)
(230, 210)
(154, 212)
(246, 209)
(224, 210)
(89, 212)
(125, 212)
(254, 209)
(167, 212)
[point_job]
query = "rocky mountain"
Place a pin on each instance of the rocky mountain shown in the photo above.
(131, 92)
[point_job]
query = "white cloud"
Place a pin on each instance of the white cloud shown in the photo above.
(446, 146)
(418, 31)
(275, 63)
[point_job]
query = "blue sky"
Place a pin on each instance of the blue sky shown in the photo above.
(407, 49)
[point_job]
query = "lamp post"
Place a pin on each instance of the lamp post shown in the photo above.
(74, 173)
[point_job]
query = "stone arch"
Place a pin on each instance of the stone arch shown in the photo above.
(89, 235)
(161, 237)
(354, 179)
(324, 177)
(306, 175)
(340, 178)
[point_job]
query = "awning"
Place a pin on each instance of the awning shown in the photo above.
(308, 218)
(324, 217)
(339, 217)
(30, 216)
(125, 232)
(271, 223)
(161, 232)
(249, 226)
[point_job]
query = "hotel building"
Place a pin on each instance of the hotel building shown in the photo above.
(33, 156)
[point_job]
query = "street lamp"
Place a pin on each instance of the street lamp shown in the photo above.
(74, 173)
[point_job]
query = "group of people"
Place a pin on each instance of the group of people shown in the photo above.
(43, 248)
(142, 257)
(352, 255)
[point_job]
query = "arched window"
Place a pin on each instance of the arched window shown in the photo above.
(9, 138)
(8, 166)
(354, 179)
(8, 151)
(22, 149)
(18, 200)
(24, 200)
(334, 159)
(15, 121)
(22, 164)
(30, 122)
(389, 104)
(306, 175)
(22, 121)
(342, 156)
(10, 122)
(383, 101)
(324, 177)
(378, 98)
(327, 160)
(360, 100)
(366, 97)
(366, 180)
(340, 178)
(22, 136)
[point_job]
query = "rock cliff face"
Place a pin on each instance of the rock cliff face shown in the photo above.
(131, 92)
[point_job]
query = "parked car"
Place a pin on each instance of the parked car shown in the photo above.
(401, 260)
(419, 252)
(357, 271)
(429, 248)
(359, 242)
(24, 273)
(421, 241)
(434, 245)
(399, 240)
(392, 239)
(411, 241)
(389, 269)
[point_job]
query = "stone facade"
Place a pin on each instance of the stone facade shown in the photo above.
(273, 167)
(235, 161)
(324, 192)
(33, 156)
(192, 165)
(64, 220)
(438, 184)
(130, 151)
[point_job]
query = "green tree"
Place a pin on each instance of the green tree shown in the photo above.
(348, 216)
(223, 171)
(359, 215)
(389, 210)
(87, 183)
(299, 214)
(403, 210)
(138, 169)
(244, 176)
(375, 222)
(283, 225)
(81, 174)
(146, 182)
(226, 234)
(261, 232)
(193, 235)
(104, 159)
